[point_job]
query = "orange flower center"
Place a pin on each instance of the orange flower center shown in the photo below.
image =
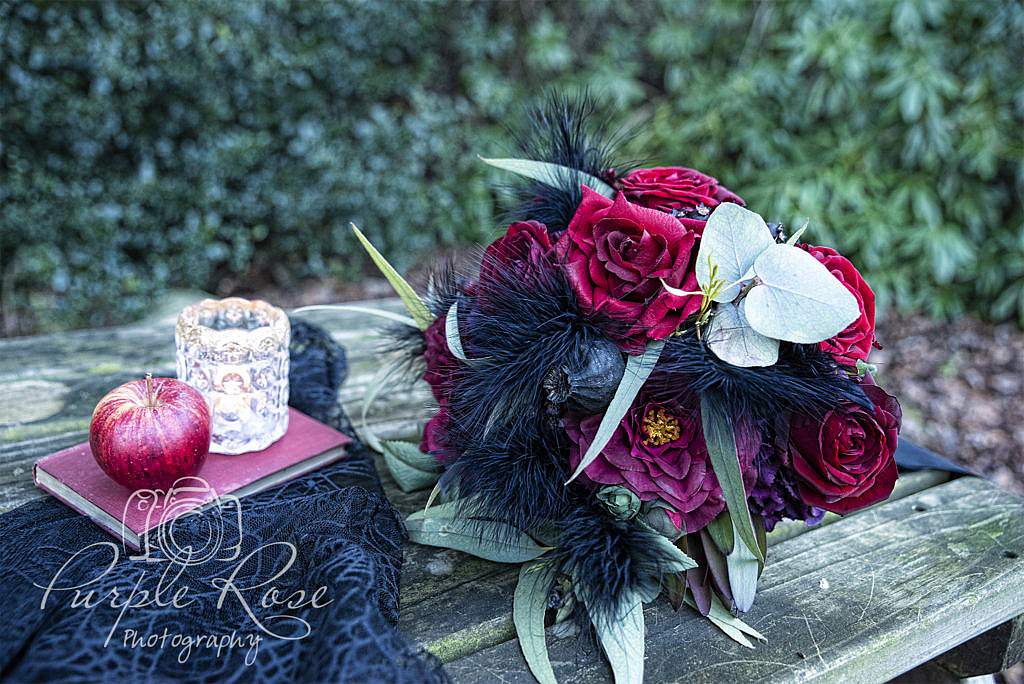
(660, 427)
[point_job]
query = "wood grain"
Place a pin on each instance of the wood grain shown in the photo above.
(861, 600)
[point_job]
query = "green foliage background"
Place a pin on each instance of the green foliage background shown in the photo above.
(146, 146)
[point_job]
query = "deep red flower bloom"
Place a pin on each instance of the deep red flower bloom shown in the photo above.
(846, 461)
(441, 363)
(615, 255)
(658, 453)
(522, 250)
(679, 190)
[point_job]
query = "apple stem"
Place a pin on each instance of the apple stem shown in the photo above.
(149, 390)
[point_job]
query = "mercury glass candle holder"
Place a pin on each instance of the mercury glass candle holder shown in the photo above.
(235, 352)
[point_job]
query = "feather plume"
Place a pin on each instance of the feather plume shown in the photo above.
(805, 379)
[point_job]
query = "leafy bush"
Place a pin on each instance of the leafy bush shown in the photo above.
(202, 144)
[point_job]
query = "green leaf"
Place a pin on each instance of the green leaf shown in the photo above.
(528, 606)
(419, 311)
(721, 532)
(411, 468)
(797, 235)
(434, 493)
(622, 639)
(451, 331)
(352, 308)
(491, 540)
(675, 587)
(721, 444)
(551, 174)
(744, 570)
(732, 339)
(638, 368)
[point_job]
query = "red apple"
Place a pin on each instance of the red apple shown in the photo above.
(147, 433)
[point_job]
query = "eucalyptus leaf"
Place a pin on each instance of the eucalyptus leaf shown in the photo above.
(733, 238)
(732, 339)
(410, 467)
(488, 539)
(551, 174)
(721, 445)
(798, 299)
(622, 639)
(451, 331)
(419, 311)
(744, 570)
(638, 369)
(353, 308)
(529, 603)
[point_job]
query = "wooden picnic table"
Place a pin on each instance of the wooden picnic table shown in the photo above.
(931, 578)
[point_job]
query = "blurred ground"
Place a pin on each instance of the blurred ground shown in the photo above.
(962, 389)
(961, 384)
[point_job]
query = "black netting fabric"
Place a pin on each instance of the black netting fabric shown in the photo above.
(110, 618)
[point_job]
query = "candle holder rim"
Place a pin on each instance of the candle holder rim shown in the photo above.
(277, 319)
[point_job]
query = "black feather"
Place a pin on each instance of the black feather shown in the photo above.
(564, 130)
(512, 452)
(607, 558)
(804, 379)
(516, 328)
(516, 477)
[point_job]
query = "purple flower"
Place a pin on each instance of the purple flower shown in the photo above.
(774, 495)
(658, 453)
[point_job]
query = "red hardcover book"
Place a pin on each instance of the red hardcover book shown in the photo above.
(73, 476)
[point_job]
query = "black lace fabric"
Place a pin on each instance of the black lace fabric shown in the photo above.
(345, 535)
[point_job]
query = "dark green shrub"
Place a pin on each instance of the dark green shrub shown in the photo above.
(184, 144)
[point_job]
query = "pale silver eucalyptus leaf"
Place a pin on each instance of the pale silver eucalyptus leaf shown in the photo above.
(797, 299)
(733, 238)
(733, 340)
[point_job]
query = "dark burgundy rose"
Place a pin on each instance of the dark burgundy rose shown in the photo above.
(616, 254)
(441, 364)
(845, 462)
(658, 453)
(855, 342)
(434, 440)
(689, 194)
(523, 249)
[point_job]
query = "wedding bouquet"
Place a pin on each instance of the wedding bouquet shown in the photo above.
(641, 380)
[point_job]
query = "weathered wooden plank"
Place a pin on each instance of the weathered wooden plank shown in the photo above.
(861, 600)
(451, 619)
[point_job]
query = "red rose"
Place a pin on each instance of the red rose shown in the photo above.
(441, 363)
(855, 342)
(523, 249)
(615, 255)
(845, 462)
(687, 194)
